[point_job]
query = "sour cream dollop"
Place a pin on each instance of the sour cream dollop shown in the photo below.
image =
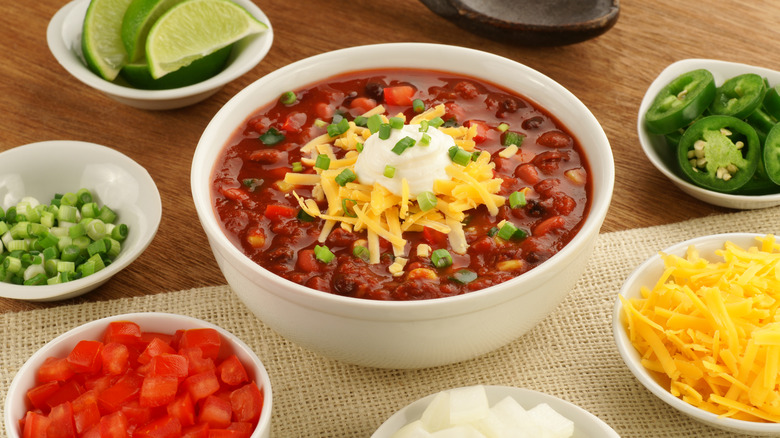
(419, 165)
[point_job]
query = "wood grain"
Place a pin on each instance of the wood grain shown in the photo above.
(40, 101)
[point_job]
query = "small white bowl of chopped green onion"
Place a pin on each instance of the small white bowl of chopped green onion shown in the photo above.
(72, 214)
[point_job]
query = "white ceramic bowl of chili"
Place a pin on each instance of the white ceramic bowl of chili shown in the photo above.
(16, 402)
(64, 38)
(408, 334)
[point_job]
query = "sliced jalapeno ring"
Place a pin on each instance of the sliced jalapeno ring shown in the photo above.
(680, 102)
(772, 101)
(771, 155)
(719, 153)
(739, 96)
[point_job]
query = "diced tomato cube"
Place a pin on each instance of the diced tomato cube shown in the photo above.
(216, 412)
(275, 212)
(114, 425)
(177, 339)
(549, 225)
(158, 390)
(136, 414)
(436, 239)
(166, 364)
(165, 427)
(196, 363)
(363, 104)
(247, 402)
(243, 427)
(115, 357)
(482, 130)
(196, 431)
(231, 371)
(68, 392)
(183, 409)
(146, 337)
(92, 432)
(85, 357)
(54, 369)
(62, 425)
(453, 111)
(35, 425)
(125, 389)
(124, 332)
(207, 339)
(294, 121)
(201, 385)
(155, 348)
(399, 95)
(100, 383)
(324, 111)
(85, 411)
(41, 393)
(227, 433)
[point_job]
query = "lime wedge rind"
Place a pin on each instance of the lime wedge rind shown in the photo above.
(101, 42)
(138, 19)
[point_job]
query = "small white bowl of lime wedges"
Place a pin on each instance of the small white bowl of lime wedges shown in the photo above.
(134, 83)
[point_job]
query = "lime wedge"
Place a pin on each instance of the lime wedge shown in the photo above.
(101, 42)
(193, 29)
(138, 75)
(138, 19)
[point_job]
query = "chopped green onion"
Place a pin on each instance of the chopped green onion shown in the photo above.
(389, 171)
(424, 126)
(320, 123)
(67, 213)
(373, 123)
(303, 216)
(345, 207)
(403, 144)
(509, 231)
(396, 122)
(384, 131)
(106, 214)
(427, 200)
(322, 162)
(425, 140)
(288, 98)
(323, 254)
(271, 137)
(503, 127)
(336, 129)
(346, 175)
(84, 196)
(69, 198)
(96, 229)
(361, 121)
(77, 230)
(359, 147)
(517, 199)
(120, 232)
(513, 138)
(297, 166)
(418, 105)
(441, 258)
(436, 122)
(459, 156)
(361, 252)
(90, 209)
(464, 276)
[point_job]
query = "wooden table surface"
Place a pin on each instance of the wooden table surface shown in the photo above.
(40, 101)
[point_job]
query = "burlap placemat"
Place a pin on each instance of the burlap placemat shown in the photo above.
(571, 354)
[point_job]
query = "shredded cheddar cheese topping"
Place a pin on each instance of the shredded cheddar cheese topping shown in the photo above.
(713, 331)
(383, 214)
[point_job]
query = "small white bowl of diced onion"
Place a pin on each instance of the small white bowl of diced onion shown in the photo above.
(122, 195)
(490, 412)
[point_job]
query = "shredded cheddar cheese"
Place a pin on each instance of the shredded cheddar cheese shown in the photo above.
(712, 332)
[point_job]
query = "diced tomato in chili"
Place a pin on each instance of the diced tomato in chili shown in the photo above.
(436, 239)
(207, 339)
(401, 95)
(324, 111)
(294, 121)
(482, 130)
(276, 212)
(364, 104)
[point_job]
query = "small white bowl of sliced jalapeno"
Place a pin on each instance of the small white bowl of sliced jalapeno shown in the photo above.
(709, 126)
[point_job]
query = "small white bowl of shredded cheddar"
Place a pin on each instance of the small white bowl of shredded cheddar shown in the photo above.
(697, 325)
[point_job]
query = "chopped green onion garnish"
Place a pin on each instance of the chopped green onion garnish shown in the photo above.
(336, 129)
(322, 162)
(389, 171)
(323, 254)
(436, 122)
(459, 156)
(425, 140)
(346, 175)
(361, 121)
(418, 105)
(359, 147)
(345, 207)
(320, 123)
(120, 232)
(396, 122)
(360, 252)
(427, 200)
(384, 131)
(303, 216)
(288, 98)
(271, 137)
(513, 138)
(509, 231)
(464, 276)
(403, 144)
(475, 155)
(297, 166)
(373, 123)
(517, 199)
(441, 258)
(503, 127)
(424, 126)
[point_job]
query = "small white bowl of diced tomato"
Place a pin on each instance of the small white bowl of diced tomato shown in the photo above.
(142, 375)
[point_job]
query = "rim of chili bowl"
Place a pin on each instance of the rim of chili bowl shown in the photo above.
(405, 334)
(586, 425)
(665, 160)
(15, 401)
(45, 168)
(64, 39)
(647, 274)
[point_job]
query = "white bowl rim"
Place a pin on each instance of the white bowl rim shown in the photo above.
(263, 380)
(597, 212)
(80, 71)
(526, 397)
(625, 348)
(668, 74)
(52, 291)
